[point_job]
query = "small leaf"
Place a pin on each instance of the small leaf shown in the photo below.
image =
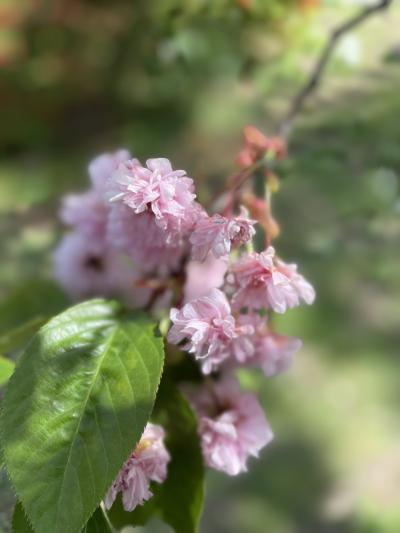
(20, 523)
(74, 409)
(6, 370)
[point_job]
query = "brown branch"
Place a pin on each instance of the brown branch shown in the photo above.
(321, 63)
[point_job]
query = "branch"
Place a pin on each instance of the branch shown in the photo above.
(321, 63)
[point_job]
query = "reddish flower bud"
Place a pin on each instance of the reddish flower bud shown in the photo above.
(258, 143)
(260, 211)
(245, 158)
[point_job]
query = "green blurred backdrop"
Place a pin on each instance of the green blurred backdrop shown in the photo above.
(180, 79)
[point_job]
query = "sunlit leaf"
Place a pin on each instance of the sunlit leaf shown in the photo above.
(97, 522)
(74, 409)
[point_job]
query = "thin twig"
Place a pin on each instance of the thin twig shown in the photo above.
(321, 63)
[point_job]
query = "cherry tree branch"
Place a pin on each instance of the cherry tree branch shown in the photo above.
(317, 72)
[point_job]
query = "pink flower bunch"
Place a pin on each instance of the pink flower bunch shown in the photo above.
(145, 213)
(139, 234)
(232, 425)
(226, 325)
(147, 463)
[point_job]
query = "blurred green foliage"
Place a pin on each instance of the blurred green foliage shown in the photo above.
(180, 79)
(98, 62)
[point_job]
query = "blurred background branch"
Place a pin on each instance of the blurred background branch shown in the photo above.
(317, 72)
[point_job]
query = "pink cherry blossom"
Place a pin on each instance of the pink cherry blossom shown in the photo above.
(86, 267)
(274, 353)
(207, 327)
(139, 237)
(101, 168)
(232, 425)
(218, 234)
(262, 281)
(168, 194)
(242, 348)
(205, 323)
(86, 212)
(147, 463)
(202, 277)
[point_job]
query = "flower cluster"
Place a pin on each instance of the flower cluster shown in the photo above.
(140, 234)
(217, 332)
(85, 263)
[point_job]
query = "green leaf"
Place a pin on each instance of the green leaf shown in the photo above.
(97, 524)
(6, 370)
(20, 523)
(74, 409)
(181, 497)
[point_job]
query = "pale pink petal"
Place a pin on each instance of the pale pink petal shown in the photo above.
(202, 277)
(139, 237)
(85, 267)
(86, 212)
(157, 189)
(262, 281)
(101, 168)
(218, 234)
(147, 463)
(206, 323)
